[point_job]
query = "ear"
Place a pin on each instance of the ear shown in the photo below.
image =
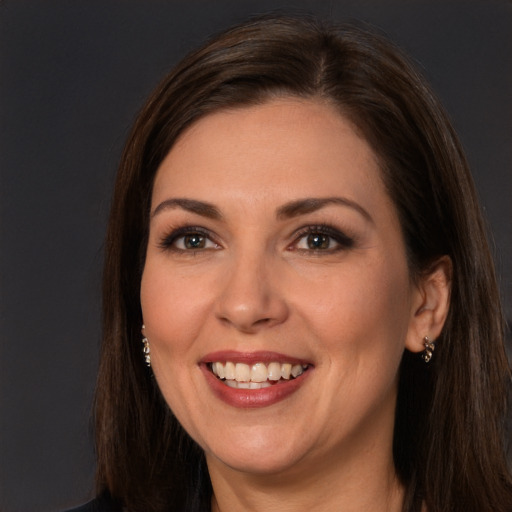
(430, 304)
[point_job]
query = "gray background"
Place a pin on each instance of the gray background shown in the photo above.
(72, 76)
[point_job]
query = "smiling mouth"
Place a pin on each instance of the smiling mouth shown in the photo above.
(256, 376)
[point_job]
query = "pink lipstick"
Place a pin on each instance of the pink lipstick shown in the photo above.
(253, 379)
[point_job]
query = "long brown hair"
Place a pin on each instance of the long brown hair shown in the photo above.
(449, 431)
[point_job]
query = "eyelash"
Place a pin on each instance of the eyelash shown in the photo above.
(168, 242)
(341, 240)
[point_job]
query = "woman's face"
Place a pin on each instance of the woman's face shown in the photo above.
(274, 251)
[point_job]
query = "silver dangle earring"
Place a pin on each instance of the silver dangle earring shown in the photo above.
(146, 350)
(429, 349)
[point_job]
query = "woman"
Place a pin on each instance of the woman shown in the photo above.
(295, 237)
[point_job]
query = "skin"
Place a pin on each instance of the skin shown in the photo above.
(349, 309)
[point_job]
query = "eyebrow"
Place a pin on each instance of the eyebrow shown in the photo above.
(191, 205)
(287, 211)
(312, 204)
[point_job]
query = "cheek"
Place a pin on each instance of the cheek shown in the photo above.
(172, 309)
(360, 313)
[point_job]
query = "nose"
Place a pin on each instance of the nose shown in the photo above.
(252, 296)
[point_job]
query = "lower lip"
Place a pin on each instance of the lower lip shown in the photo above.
(253, 398)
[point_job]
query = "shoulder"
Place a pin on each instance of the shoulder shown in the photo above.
(100, 504)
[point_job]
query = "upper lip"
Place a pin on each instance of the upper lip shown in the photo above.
(251, 358)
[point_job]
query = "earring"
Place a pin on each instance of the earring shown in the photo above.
(429, 349)
(146, 350)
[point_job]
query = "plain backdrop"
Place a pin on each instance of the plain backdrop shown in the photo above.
(73, 74)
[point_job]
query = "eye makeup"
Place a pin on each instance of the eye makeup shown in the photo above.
(188, 239)
(321, 238)
(314, 238)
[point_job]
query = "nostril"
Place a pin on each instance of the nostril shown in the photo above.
(262, 321)
(246, 325)
(251, 310)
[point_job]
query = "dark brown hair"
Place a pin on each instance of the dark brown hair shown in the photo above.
(449, 431)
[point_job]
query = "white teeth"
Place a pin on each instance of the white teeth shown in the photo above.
(242, 372)
(258, 372)
(286, 370)
(218, 369)
(229, 371)
(274, 371)
(259, 385)
(246, 385)
(258, 375)
(297, 370)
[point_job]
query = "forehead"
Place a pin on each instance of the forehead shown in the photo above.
(288, 146)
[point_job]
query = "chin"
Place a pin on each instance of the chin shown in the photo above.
(255, 464)
(257, 453)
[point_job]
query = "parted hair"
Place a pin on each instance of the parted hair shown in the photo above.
(450, 418)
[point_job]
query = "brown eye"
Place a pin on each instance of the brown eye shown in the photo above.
(188, 239)
(194, 241)
(318, 241)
